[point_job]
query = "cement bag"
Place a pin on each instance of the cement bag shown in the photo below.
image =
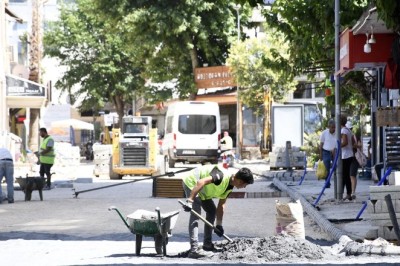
(289, 219)
(321, 170)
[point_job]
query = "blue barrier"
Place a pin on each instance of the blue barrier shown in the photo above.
(365, 203)
(305, 170)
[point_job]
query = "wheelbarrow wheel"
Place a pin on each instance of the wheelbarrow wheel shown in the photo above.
(158, 239)
(139, 239)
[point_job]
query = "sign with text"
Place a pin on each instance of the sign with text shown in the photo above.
(21, 87)
(213, 77)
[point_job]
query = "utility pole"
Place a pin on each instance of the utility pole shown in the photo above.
(35, 56)
(339, 178)
(238, 109)
(3, 103)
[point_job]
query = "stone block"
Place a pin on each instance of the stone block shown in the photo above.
(84, 180)
(382, 218)
(379, 192)
(387, 232)
(372, 234)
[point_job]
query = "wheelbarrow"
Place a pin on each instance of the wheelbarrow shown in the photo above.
(150, 224)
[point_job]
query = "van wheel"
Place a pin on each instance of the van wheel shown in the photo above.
(171, 162)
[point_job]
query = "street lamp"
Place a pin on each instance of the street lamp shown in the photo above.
(237, 8)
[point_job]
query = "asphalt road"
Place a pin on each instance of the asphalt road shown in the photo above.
(64, 230)
(62, 216)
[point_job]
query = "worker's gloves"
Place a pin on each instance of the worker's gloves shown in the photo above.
(219, 230)
(188, 206)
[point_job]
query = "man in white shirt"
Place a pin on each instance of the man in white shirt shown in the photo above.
(226, 142)
(7, 171)
(327, 146)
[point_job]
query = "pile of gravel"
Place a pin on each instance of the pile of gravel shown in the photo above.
(283, 248)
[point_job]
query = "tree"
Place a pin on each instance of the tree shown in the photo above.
(95, 56)
(176, 36)
(389, 11)
(261, 64)
(308, 27)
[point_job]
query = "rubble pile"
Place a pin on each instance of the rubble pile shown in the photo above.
(283, 248)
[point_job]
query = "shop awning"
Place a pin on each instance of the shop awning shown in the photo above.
(11, 14)
(23, 93)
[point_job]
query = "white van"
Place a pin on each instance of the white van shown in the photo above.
(192, 132)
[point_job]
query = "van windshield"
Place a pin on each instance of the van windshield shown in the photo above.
(197, 124)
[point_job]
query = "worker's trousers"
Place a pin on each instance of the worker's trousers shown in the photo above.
(210, 209)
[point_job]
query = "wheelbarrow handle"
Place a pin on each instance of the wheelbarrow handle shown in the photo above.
(159, 224)
(120, 215)
(206, 222)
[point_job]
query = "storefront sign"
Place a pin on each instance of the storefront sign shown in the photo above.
(21, 87)
(213, 77)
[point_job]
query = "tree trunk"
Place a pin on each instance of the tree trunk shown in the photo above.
(195, 63)
(33, 141)
(120, 108)
(34, 74)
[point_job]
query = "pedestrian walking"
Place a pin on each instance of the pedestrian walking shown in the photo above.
(201, 186)
(7, 171)
(327, 147)
(46, 156)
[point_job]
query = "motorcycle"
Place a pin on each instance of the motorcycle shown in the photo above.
(89, 151)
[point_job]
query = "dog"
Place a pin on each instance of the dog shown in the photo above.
(30, 184)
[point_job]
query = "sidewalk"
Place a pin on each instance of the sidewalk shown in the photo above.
(336, 217)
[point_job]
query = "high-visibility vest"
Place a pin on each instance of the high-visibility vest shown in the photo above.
(48, 158)
(209, 191)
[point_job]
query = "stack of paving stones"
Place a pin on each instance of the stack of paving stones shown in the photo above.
(102, 155)
(378, 210)
(66, 154)
(278, 159)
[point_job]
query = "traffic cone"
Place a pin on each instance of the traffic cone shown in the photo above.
(225, 163)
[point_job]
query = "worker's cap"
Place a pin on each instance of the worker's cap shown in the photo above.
(349, 124)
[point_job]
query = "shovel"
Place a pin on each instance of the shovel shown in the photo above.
(206, 222)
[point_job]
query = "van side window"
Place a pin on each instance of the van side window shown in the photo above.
(197, 124)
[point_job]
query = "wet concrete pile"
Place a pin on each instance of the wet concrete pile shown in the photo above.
(280, 248)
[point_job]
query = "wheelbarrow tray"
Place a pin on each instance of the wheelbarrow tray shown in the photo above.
(146, 223)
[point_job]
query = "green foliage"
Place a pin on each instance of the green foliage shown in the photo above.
(388, 11)
(308, 27)
(94, 56)
(176, 36)
(311, 147)
(261, 64)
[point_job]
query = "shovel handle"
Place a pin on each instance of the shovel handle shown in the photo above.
(205, 221)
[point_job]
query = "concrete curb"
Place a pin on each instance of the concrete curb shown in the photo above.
(327, 226)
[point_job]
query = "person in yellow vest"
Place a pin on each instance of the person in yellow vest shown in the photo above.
(201, 185)
(46, 156)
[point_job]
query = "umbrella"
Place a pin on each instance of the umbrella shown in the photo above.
(75, 123)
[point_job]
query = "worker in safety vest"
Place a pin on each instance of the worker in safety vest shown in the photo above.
(47, 156)
(201, 186)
